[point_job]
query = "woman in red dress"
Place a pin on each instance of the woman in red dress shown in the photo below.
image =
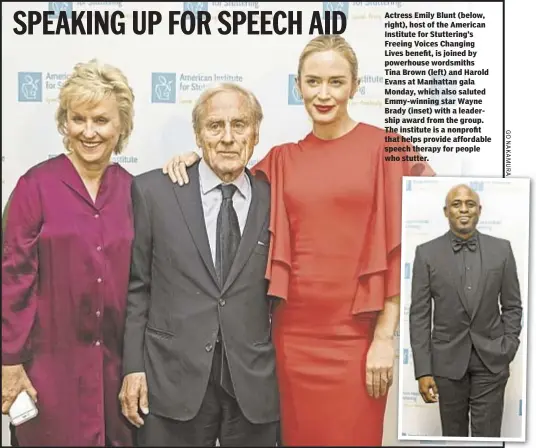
(334, 259)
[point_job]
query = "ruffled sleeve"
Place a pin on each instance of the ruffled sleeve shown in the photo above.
(380, 262)
(279, 260)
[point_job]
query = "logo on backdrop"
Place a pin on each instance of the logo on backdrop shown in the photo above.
(422, 184)
(195, 6)
(360, 10)
(336, 6)
(416, 224)
(30, 87)
(407, 270)
(294, 97)
(69, 7)
(368, 80)
(477, 186)
(56, 7)
(164, 88)
(228, 6)
(489, 225)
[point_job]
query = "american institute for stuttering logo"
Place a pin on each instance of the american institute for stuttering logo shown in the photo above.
(477, 185)
(406, 311)
(40, 86)
(56, 7)
(70, 7)
(195, 6)
(407, 270)
(294, 97)
(164, 88)
(336, 6)
(30, 87)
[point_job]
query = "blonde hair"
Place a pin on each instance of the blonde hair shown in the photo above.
(199, 110)
(328, 42)
(91, 83)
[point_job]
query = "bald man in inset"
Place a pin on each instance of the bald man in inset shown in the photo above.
(463, 361)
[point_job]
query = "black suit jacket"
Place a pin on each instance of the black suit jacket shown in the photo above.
(175, 306)
(492, 330)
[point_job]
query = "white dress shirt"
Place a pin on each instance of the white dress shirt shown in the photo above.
(211, 198)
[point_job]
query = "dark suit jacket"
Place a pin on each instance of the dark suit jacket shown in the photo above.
(493, 331)
(175, 305)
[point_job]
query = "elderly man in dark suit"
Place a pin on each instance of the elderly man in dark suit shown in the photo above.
(198, 356)
(471, 280)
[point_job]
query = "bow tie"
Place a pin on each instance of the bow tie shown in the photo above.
(458, 243)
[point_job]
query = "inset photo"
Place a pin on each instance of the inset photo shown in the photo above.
(463, 339)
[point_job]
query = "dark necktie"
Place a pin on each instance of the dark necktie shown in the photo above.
(227, 241)
(228, 234)
(458, 244)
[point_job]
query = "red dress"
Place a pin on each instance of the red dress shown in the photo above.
(334, 258)
(65, 269)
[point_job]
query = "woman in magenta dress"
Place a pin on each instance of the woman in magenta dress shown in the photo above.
(65, 269)
(334, 259)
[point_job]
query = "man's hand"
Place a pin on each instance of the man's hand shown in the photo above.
(428, 389)
(133, 395)
(380, 361)
(14, 381)
(175, 167)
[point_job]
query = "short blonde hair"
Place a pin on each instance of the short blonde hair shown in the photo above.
(199, 110)
(328, 42)
(91, 82)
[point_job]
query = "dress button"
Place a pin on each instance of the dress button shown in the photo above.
(96, 215)
(99, 248)
(208, 347)
(99, 280)
(97, 313)
(97, 343)
(222, 302)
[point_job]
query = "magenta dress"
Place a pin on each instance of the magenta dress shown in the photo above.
(65, 270)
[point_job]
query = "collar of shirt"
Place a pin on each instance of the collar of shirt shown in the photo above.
(208, 180)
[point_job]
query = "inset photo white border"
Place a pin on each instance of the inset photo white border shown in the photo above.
(505, 214)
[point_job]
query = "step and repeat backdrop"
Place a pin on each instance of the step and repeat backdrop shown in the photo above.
(423, 220)
(421, 74)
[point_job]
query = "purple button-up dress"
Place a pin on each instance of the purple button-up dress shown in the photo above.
(65, 270)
